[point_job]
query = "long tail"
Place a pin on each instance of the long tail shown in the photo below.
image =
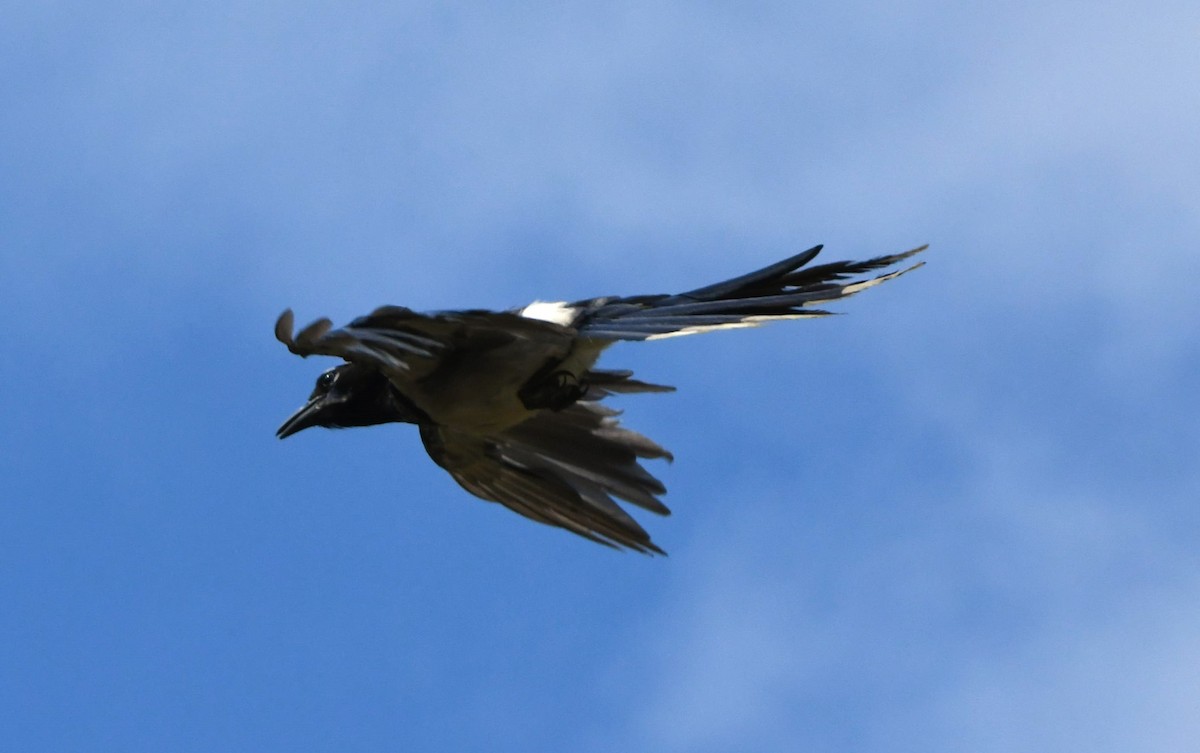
(783, 290)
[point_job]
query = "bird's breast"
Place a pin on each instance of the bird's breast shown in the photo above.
(477, 391)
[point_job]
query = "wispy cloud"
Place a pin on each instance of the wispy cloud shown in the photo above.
(1040, 598)
(1123, 680)
(1030, 610)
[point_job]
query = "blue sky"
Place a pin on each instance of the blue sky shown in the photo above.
(962, 517)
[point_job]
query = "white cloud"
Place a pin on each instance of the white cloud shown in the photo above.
(731, 663)
(442, 147)
(1125, 680)
(1032, 611)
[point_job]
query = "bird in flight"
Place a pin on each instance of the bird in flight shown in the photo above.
(510, 402)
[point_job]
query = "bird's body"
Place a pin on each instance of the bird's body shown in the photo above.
(509, 402)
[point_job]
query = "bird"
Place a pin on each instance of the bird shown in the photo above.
(511, 403)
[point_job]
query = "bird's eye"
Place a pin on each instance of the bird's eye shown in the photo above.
(325, 381)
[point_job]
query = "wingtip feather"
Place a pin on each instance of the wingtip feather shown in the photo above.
(313, 332)
(284, 326)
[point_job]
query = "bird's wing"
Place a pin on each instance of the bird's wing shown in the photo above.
(404, 344)
(783, 290)
(391, 338)
(561, 468)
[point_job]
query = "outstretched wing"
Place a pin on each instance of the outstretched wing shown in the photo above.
(402, 342)
(391, 338)
(784, 290)
(561, 468)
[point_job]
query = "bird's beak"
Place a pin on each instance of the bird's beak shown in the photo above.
(301, 419)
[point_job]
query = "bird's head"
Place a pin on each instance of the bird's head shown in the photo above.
(349, 395)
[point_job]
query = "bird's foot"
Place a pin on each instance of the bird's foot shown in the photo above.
(553, 391)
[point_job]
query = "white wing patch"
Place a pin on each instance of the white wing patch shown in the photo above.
(555, 312)
(749, 321)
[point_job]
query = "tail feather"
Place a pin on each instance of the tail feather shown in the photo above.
(783, 290)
